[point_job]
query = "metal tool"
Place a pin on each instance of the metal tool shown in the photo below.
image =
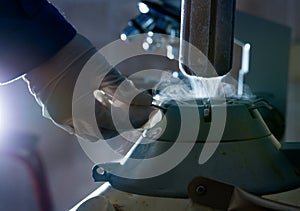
(209, 26)
(248, 152)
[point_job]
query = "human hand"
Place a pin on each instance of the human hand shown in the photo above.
(130, 108)
(117, 99)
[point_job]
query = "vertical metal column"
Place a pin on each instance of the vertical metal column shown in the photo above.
(209, 26)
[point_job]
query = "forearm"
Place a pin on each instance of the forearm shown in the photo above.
(50, 59)
(52, 83)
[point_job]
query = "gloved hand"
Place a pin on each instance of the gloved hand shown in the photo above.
(53, 84)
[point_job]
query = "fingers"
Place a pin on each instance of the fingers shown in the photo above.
(130, 107)
(142, 99)
(138, 115)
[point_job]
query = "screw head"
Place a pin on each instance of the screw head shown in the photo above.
(201, 189)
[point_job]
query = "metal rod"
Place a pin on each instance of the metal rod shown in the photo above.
(208, 25)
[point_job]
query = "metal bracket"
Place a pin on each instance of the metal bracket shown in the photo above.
(223, 196)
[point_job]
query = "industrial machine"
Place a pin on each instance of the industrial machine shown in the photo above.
(227, 155)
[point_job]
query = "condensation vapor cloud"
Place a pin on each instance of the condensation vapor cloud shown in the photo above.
(185, 88)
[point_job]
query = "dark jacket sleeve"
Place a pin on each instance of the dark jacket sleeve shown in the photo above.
(31, 31)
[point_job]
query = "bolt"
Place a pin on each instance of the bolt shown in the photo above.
(201, 190)
(101, 171)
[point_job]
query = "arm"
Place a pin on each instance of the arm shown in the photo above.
(48, 52)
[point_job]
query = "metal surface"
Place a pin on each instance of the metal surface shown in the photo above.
(247, 155)
(227, 197)
(292, 151)
(209, 26)
(124, 201)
